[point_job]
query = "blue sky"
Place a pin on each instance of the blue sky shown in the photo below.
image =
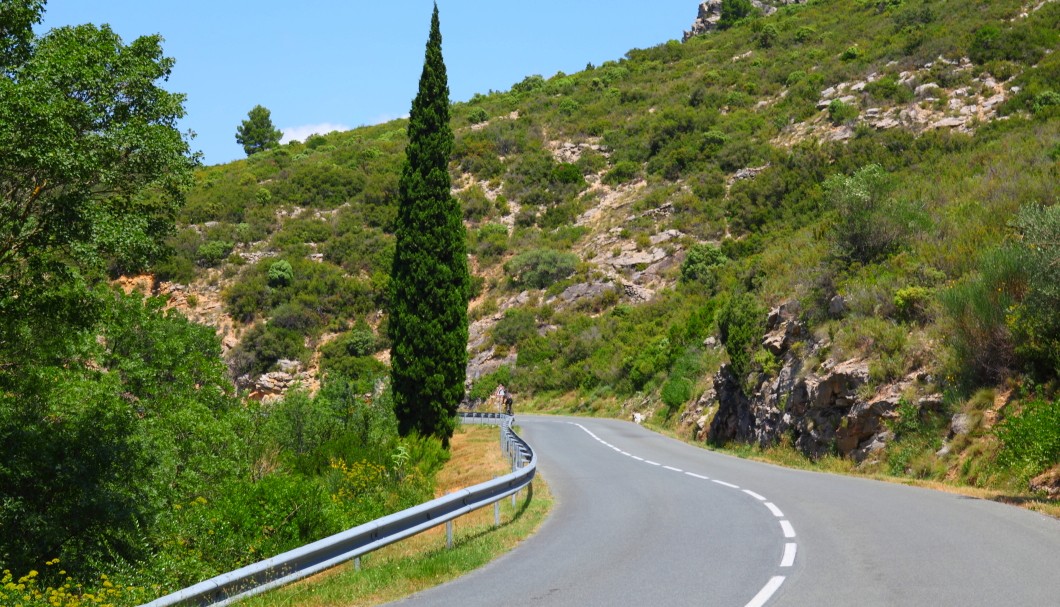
(320, 65)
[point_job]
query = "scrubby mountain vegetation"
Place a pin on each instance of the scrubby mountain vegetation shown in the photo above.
(129, 465)
(886, 170)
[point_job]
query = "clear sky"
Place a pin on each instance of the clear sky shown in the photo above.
(320, 65)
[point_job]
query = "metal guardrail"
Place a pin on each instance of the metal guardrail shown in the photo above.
(341, 547)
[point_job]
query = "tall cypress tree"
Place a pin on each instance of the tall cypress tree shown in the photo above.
(430, 283)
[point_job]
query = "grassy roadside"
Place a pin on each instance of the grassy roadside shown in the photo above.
(422, 561)
(788, 457)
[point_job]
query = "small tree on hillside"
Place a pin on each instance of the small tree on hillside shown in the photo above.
(734, 10)
(430, 282)
(257, 133)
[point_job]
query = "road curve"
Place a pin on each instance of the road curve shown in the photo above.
(641, 519)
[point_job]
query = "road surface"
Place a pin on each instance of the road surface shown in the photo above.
(641, 519)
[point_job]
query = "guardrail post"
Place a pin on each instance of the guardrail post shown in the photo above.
(449, 534)
(357, 563)
(496, 514)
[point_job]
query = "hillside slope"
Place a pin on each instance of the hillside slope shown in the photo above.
(802, 229)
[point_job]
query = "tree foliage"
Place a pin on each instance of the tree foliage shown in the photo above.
(734, 10)
(430, 279)
(92, 171)
(740, 327)
(92, 167)
(257, 133)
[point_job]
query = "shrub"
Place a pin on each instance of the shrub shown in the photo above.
(1045, 102)
(262, 346)
(851, 53)
(769, 36)
(281, 273)
(1035, 323)
(700, 264)
(976, 309)
(869, 225)
(624, 171)
(477, 116)
(889, 88)
(911, 303)
(213, 252)
(805, 33)
(569, 107)
(840, 112)
(475, 202)
(516, 325)
(741, 324)
(733, 11)
(491, 242)
(676, 392)
(569, 174)
(1031, 439)
(529, 84)
(539, 268)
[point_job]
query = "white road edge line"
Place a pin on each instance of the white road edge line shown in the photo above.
(699, 476)
(674, 469)
(773, 508)
(626, 454)
(754, 495)
(766, 592)
(789, 531)
(789, 554)
(639, 459)
(723, 483)
(648, 461)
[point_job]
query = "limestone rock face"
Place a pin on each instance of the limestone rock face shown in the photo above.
(825, 411)
(710, 14)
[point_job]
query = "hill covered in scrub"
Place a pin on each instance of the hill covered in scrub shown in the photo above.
(832, 227)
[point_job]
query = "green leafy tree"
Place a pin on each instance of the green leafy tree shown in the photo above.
(93, 171)
(734, 10)
(430, 282)
(257, 133)
(740, 327)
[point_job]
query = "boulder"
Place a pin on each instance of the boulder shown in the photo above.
(837, 306)
(1047, 482)
(961, 423)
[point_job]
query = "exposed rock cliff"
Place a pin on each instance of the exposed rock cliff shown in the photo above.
(824, 410)
(710, 14)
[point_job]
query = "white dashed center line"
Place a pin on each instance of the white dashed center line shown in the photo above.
(789, 555)
(789, 531)
(767, 592)
(754, 495)
(790, 548)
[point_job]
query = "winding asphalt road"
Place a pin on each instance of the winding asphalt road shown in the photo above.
(641, 519)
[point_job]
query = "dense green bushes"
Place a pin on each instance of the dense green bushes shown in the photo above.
(539, 268)
(1003, 318)
(97, 446)
(1031, 438)
(741, 323)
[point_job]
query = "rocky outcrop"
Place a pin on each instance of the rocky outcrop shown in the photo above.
(710, 14)
(823, 411)
(929, 106)
(1048, 483)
